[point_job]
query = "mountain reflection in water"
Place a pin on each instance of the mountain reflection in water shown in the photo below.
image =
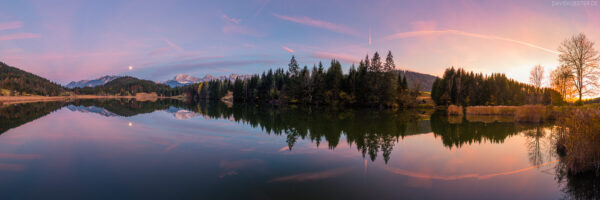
(371, 132)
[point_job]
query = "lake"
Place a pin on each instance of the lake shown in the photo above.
(167, 149)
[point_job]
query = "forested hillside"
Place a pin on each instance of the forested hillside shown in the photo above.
(14, 81)
(128, 85)
(418, 81)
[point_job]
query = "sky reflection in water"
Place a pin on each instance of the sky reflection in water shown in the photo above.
(173, 150)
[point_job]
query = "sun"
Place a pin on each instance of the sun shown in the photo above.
(130, 68)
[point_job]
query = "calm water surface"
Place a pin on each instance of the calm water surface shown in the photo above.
(172, 150)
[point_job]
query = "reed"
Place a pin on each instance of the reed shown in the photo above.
(491, 110)
(455, 110)
(532, 114)
(579, 140)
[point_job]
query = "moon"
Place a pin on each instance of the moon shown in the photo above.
(130, 68)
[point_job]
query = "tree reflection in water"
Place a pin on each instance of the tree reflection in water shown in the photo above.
(370, 130)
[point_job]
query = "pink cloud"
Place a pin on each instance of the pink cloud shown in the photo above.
(337, 56)
(165, 50)
(284, 149)
(462, 33)
(231, 19)
(17, 36)
(11, 25)
(319, 24)
(173, 45)
(288, 49)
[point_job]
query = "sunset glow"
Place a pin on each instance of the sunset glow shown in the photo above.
(252, 36)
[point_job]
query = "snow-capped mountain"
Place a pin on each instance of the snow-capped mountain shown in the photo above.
(91, 83)
(92, 109)
(184, 79)
(180, 113)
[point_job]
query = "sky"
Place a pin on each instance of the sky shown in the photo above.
(71, 40)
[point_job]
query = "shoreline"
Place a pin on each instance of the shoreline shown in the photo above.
(10, 100)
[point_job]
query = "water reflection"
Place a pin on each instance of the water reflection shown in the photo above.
(372, 132)
(583, 186)
(13, 116)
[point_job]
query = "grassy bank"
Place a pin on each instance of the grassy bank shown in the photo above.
(526, 113)
(8, 100)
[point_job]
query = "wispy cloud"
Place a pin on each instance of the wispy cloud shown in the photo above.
(261, 8)
(17, 36)
(462, 33)
(319, 24)
(11, 25)
(231, 19)
(288, 49)
(173, 45)
(165, 50)
(337, 56)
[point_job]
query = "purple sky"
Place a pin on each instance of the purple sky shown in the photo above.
(72, 40)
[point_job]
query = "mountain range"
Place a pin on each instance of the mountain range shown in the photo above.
(91, 83)
(14, 81)
(177, 81)
(184, 79)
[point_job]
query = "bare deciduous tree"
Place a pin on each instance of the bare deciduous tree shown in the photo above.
(536, 76)
(579, 55)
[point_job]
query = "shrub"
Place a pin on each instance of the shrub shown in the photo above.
(455, 110)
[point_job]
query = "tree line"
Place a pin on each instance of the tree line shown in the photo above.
(460, 87)
(576, 76)
(374, 83)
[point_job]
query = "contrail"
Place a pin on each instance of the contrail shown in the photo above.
(369, 37)
(457, 32)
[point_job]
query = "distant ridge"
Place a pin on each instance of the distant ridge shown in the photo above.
(416, 79)
(91, 83)
(185, 79)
